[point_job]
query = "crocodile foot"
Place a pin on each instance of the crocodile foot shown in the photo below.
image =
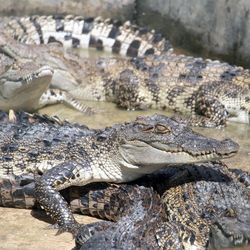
(74, 228)
(87, 231)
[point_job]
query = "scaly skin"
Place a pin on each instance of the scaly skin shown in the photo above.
(202, 206)
(79, 32)
(22, 84)
(27, 73)
(210, 89)
(195, 199)
(68, 69)
(120, 153)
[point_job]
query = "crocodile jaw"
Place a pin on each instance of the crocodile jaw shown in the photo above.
(25, 92)
(143, 158)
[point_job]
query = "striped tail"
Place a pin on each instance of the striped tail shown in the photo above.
(80, 32)
(17, 191)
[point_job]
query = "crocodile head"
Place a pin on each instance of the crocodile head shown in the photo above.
(153, 142)
(66, 65)
(22, 84)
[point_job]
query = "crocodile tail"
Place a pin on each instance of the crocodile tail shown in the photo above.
(52, 96)
(17, 191)
(79, 32)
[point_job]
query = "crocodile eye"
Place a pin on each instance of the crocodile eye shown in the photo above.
(161, 129)
(144, 127)
(148, 129)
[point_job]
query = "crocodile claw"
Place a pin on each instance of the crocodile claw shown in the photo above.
(54, 226)
(74, 229)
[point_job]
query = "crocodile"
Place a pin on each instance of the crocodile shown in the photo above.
(26, 74)
(22, 84)
(121, 153)
(68, 68)
(169, 202)
(202, 206)
(210, 91)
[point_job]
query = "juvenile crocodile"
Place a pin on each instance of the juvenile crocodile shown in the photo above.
(216, 91)
(68, 68)
(120, 153)
(201, 205)
(27, 71)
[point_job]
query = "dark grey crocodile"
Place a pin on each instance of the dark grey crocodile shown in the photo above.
(201, 206)
(213, 90)
(120, 153)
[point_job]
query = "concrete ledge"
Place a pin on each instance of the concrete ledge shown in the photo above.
(119, 9)
(212, 28)
(206, 28)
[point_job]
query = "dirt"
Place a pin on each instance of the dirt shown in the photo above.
(24, 229)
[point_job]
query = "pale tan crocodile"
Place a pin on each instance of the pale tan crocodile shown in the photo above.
(68, 68)
(213, 90)
(26, 73)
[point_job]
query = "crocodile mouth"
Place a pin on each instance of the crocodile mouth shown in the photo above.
(24, 92)
(206, 154)
(44, 71)
(38, 80)
(156, 154)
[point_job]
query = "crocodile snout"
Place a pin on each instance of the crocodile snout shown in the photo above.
(227, 147)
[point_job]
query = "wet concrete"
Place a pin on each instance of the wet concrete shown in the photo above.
(213, 29)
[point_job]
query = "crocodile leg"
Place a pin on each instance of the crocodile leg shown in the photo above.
(47, 194)
(52, 96)
(212, 110)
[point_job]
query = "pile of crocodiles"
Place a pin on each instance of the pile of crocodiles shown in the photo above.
(187, 204)
(195, 202)
(155, 77)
